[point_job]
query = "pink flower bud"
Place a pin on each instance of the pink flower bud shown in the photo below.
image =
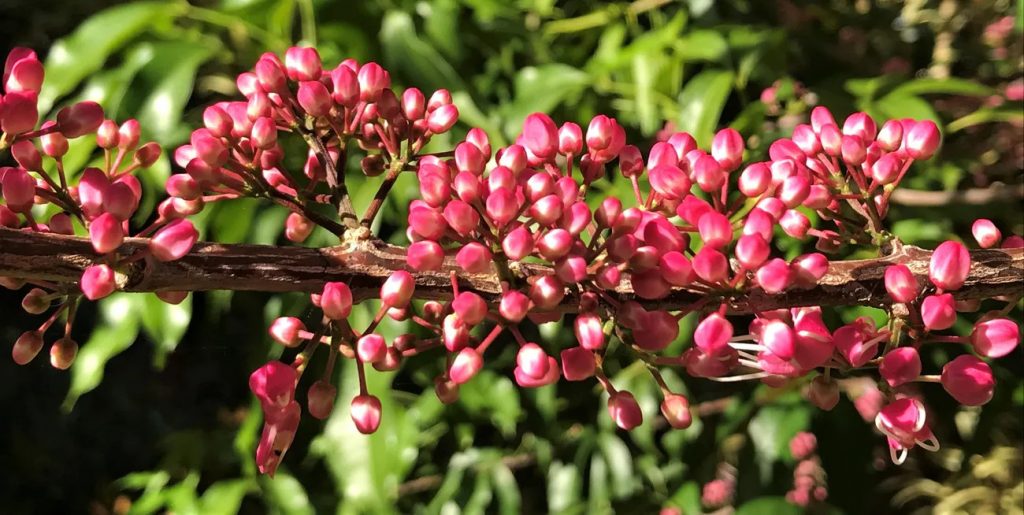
(710, 265)
(371, 348)
(727, 149)
(18, 188)
(938, 311)
(821, 116)
(823, 393)
(854, 344)
(969, 380)
(853, 150)
(540, 135)
(314, 98)
(27, 347)
(675, 269)
(547, 292)
(589, 331)
(624, 410)
(808, 269)
(461, 217)
(470, 308)
(120, 201)
(98, 282)
(950, 265)
(555, 244)
(518, 243)
(571, 269)
(426, 222)
(297, 227)
(886, 169)
(106, 233)
(599, 132)
(860, 125)
(577, 364)
(570, 139)
(532, 360)
(806, 139)
(713, 334)
(424, 256)
(372, 81)
(890, 137)
(19, 113)
(303, 64)
(922, 140)
(996, 337)
(26, 154)
(755, 180)
(442, 119)
(708, 174)
(752, 251)
(60, 223)
(900, 366)
(631, 162)
(474, 258)
(174, 240)
(336, 300)
(502, 206)
(366, 411)
(24, 74)
(784, 149)
(414, 104)
(900, 283)
(794, 223)
(774, 276)
(759, 223)
(397, 289)
(321, 398)
(986, 233)
(794, 190)
(465, 365)
(80, 119)
(715, 229)
(54, 144)
(779, 338)
(1013, 242)
(513, 306)
(63, 353)
(285, 330)
(35, 302)
(274, 384)
(676, 410)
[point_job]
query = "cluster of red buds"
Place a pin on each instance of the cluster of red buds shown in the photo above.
(98, 201)
(698, 236)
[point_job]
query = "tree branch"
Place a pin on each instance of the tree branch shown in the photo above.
(364, 265)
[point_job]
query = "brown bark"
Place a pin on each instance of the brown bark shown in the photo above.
(365, 265)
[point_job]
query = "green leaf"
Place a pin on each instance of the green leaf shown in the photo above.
(702, 45)
(773, 505)
(948, 86)
(1012, 114)
(285, 494)
(564, 486)
(495, 397)
(224, 497)
(163, 323)
(620, 464)
(894, 106)
(404, 50)
(541, 89)
(645, 71)
(173, 71)
(509, 498)
(772, 428)
(75, 57)
(701, 103)
(117, 330)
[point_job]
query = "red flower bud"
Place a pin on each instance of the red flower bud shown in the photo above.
(922, 140)
(465, 365)
(676, 410)
(27, 347)
(513, 306)
(710, 265)
(589, 331)
(708, 174)
(321, 398)
(727, 149)
(570, 139)
(577, 364)
(27, 156)
(755, 180)
(397, 289)
(774, 276)
(474, 258)
(371, 348)
(23, 73)
(624, 410)
(823, 393)
(19, 113)
(18, 188)
(547, 292)
(314, 98)
(669, 181)
(80, 119)
(302, 64)
(540, 135)
(442, 118)
(63, 353)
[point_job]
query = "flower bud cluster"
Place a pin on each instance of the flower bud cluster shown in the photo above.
(101, 204)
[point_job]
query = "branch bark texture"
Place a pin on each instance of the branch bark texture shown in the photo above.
(364, 265)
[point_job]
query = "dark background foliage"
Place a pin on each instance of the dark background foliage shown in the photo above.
(156, 415)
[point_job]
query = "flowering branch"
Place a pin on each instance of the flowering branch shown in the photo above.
(366, 265)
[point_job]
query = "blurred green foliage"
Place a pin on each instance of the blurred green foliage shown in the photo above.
(155, 415)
